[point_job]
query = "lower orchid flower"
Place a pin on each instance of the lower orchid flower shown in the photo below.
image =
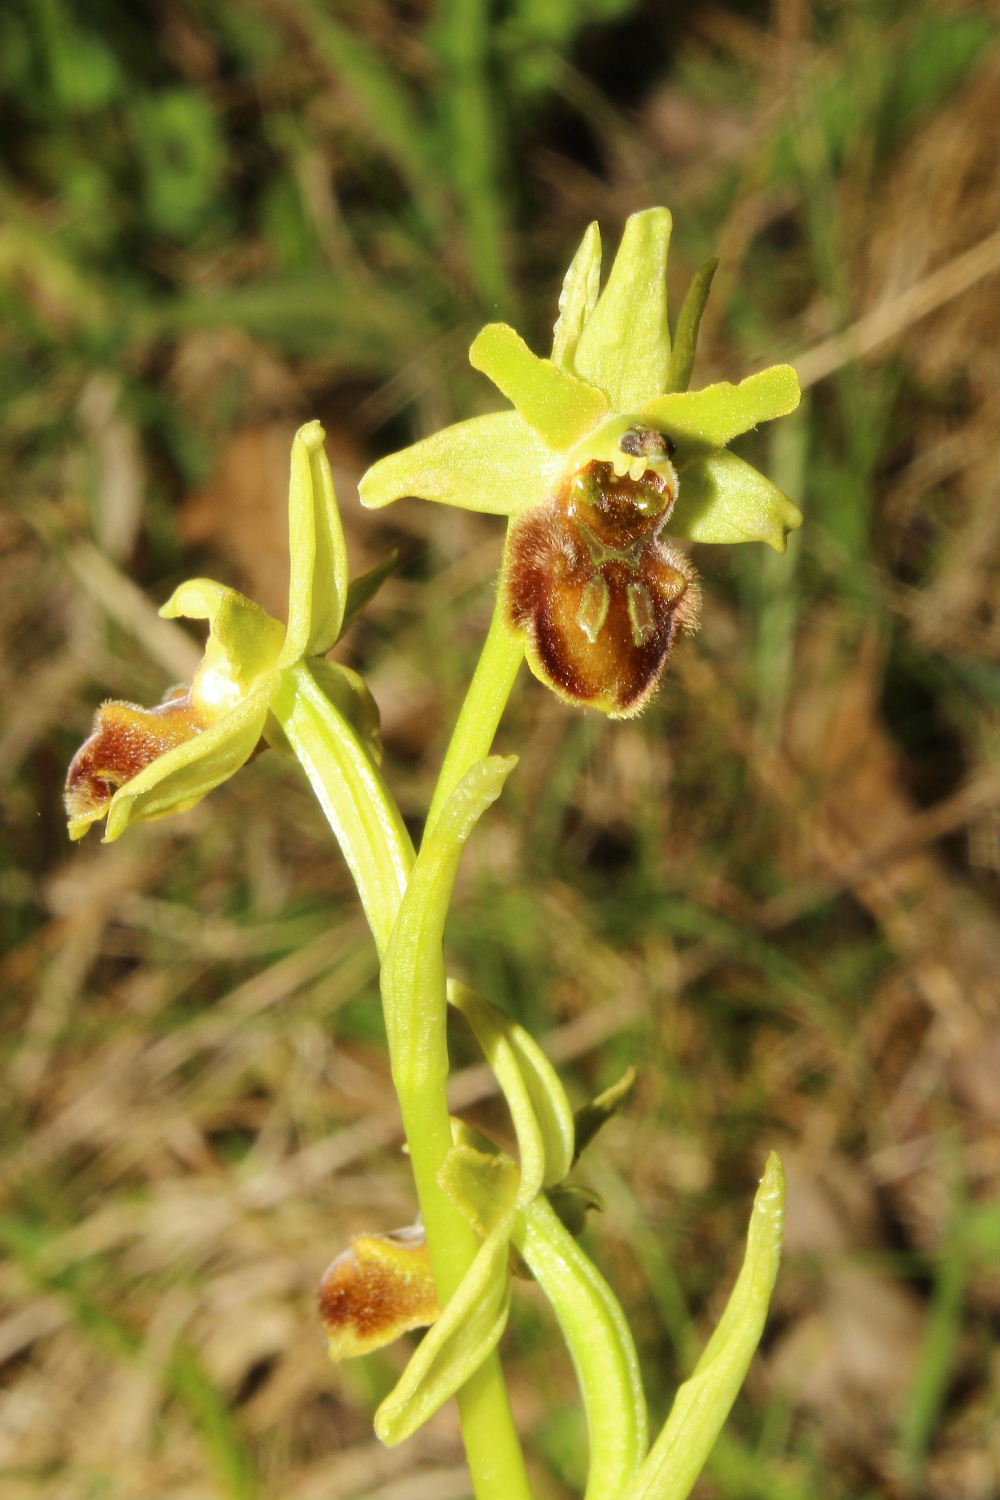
(141, 763)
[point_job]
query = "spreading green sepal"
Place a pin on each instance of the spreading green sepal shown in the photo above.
(724, 499)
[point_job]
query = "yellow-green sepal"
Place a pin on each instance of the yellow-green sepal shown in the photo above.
(724, 499)
(496, 463)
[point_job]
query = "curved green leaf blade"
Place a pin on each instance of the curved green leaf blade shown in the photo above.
(539, 1108)
(702, 1404)
(600, 1345)
(467, 1331)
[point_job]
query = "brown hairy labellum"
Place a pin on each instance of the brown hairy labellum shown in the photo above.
(594, 586)
(382, 1285)
(126, 739)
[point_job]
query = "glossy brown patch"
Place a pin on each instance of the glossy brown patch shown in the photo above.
(597, 591)
(380, 1287)
(125, 739)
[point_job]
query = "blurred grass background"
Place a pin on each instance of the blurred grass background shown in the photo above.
(774, 892)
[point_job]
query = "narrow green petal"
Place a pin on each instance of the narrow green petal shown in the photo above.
(724, 499)
(317, 584)
(686, 333)
(600, 1344)
(243, 643)
(555, 403)
(712, 417)
(539, 1108)
(495, 463)
(702, 1404)
(467, 1331)
(578, 298)
(183, 776)
(625, 345)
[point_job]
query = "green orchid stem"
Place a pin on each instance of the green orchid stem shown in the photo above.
(367, 824)
(482, 710)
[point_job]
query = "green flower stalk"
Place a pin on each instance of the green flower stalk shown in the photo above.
(604, 465)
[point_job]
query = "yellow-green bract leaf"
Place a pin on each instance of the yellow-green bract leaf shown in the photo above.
(578, 297)
(625, 344)
(712, 417)
(317, 584)
(243, 642)
(484, 1185)
(351, 792)
(181, 777)
(467, 1331)
(723, 499)
(686, 333)
(555, 403)
(600, 1344)
(413, 961)
(588, 1120)
(702, 1404)
(495, 463)
(539, 1108)
(364, 588)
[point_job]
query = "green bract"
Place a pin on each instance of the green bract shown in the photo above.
(143, 763)
(613, 367)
